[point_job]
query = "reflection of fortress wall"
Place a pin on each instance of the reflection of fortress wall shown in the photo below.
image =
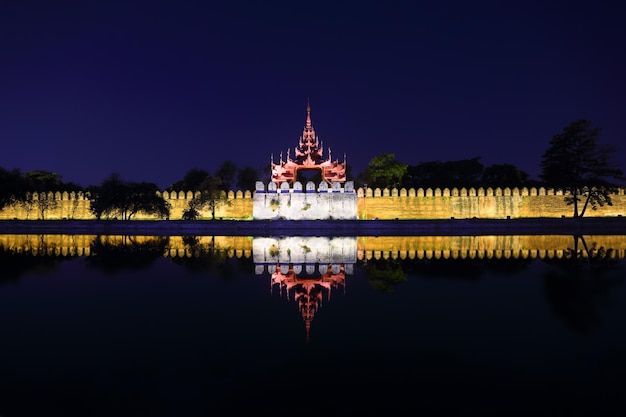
(57, 245)
(297, 203)
(79, 245)
(526, 246)
(334, 250)
(304, 250)
(234, 246)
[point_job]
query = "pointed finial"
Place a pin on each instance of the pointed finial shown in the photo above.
(308, 113)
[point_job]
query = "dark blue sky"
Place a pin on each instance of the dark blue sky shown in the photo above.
(151, 89)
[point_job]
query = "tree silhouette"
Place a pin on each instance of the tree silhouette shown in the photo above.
(226, 174)
(12, 185)
(435, 174)
(247, 178)
(577, 164)
(191, 181)
(209, 195)
(504, 175)
(115, 197)
(383, 171)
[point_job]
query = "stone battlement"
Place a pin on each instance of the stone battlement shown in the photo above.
(339, 202)
(297, 187)
(461, 192)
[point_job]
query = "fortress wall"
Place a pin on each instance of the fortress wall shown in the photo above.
(368, 204)
(64, 206)
(238, 205)
(469, 203)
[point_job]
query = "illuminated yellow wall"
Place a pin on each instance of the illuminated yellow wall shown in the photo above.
(238, 205)
(469, 203)
(381, 204)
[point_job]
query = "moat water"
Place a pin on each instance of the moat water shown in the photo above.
(211, 326)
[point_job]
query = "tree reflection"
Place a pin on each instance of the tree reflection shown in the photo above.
(117, 253)
(384, 274)
(578, 285)
(15, 264)
(205, 257)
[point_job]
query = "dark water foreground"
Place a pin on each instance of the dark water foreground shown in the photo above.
(453, 227)
(131, 331)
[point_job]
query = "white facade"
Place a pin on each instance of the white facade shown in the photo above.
(297, 203)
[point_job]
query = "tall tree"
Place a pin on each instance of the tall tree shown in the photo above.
(12, 187)
(435, 174)
(247, 178)
(210, 196)
(504, 175)
(38, 191)
(384, 171)
(43, 181)
(580, 166)
(191, 181)
(115, 197)
(226, 174)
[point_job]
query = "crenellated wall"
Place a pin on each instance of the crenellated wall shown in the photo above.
(238, 205)
(347, 203)
(486, 203)
(296, 203)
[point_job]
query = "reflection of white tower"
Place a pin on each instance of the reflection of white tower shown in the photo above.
(304, 250)
(304, 268)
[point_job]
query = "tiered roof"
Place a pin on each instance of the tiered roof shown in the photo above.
(308, 155)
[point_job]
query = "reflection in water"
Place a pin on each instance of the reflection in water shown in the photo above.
(307, 289)
(367, 247)
(304, 268)
(202, 256)
(578, 285)
(384, 275)
(158, 343)
(112, 254)
(14, 264)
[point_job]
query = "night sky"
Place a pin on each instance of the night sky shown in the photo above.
(152, 89)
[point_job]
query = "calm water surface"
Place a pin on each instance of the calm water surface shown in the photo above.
(147, 327)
